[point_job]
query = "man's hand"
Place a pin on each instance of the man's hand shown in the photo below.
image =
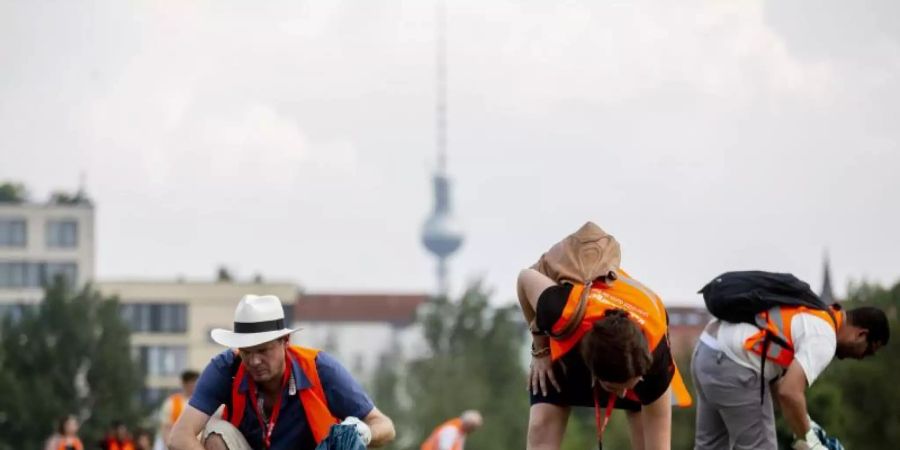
(810, 442)
(816, 439)
(365, 433)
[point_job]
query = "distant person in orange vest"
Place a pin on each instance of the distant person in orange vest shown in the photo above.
(171, 409)
(599, 339)
(451, 435)
(277, 396)
(119, 439)
(66, 436)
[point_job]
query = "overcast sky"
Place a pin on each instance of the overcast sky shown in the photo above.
(295, 138)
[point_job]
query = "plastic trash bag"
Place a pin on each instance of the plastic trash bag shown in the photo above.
(342, 437)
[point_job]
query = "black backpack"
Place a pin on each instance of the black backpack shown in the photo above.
(739, 296)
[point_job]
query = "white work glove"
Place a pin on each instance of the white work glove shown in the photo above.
(365, 433)
(811, 441)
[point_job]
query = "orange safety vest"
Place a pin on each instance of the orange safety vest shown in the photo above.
(312, 399)
(66, 442)
(643, 307)
(114, 444)
(432, 442)
(778, 328)
(177, 400)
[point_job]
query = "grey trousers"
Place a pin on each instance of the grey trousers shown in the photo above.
(729, 413)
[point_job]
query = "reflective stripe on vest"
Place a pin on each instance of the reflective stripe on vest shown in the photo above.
(177, 406)
(644, 308)
(777, 323)
(312, 399)
(432, 442)
(70, 442)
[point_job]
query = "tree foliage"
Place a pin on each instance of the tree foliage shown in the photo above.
(11, 192)
(473, 360)
(68, 355)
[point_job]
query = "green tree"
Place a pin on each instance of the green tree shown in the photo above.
(11, 192)
(474, 361)
(65, 198)
(70, 354)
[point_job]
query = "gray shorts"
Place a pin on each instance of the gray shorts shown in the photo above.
(729, 412)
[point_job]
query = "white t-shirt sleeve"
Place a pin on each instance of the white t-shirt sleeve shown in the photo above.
(814, 344)
(447, 437)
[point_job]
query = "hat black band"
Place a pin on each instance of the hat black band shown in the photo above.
(259, 327)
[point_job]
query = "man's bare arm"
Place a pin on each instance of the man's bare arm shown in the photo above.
(382, 428)
(187, 427)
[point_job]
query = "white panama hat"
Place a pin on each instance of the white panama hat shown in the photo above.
(257, 319)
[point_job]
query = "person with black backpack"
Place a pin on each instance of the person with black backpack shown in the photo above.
(777, 315)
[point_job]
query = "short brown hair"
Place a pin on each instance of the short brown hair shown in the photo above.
(189, 375)
(615, 349)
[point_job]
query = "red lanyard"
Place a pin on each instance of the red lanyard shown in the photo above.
(267, 428)
(603, 420)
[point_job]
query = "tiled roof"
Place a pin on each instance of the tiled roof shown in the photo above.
(392, 308)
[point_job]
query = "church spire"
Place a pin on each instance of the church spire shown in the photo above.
(827, 294)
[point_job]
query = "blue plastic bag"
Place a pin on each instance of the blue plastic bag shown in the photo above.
(831, 442)
(342, 437)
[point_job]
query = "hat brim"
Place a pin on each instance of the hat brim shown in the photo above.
(231, 339)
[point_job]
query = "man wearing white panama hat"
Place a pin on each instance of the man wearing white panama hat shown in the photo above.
(276, 396)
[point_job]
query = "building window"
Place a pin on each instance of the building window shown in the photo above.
(22, 274)
(162, 360)
(69, 271)
(14, 274)
(155, 317)
(62, 233)
(14, 311)
(675, 319)
(13, 232)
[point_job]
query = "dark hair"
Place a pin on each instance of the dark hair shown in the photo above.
(189, 375)
(872, 319)
(615, 349)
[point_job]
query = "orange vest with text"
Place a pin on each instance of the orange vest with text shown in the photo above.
(643, 306)
(432, 442)
(778, 326)
(312, 399)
